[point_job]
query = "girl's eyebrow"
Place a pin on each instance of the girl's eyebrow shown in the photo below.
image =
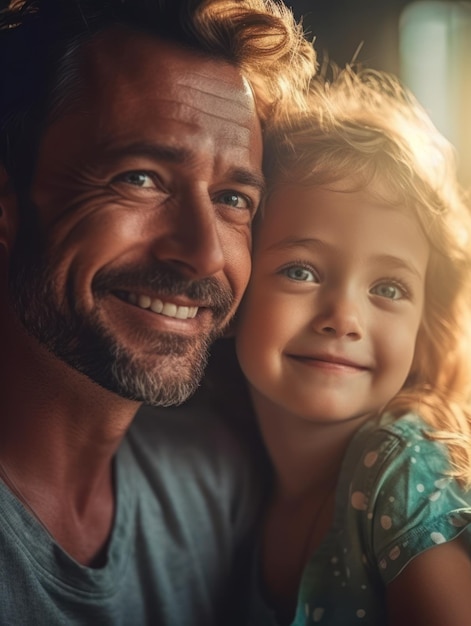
(389, 261)
(296, 242)
(395, 262)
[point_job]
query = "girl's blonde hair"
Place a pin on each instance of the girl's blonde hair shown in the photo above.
(364, 127)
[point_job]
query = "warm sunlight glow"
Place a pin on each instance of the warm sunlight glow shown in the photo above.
(435, 57)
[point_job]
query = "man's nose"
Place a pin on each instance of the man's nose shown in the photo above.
(190, 237)
(340, 314)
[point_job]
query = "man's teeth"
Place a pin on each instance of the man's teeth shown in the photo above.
(164, 308)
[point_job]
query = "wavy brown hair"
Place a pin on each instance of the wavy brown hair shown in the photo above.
(364, 127)
(41, 41)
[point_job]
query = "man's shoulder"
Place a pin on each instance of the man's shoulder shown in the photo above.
(190, 453)
(192, 439)
(195, 424)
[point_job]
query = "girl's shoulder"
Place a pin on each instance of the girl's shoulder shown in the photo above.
(403, 441)
(400, 492)
(396, 460)
(409, 426)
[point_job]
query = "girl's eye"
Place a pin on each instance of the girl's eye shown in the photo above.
(234, 199)
(300, 273)
(137, 179)
(391, 291)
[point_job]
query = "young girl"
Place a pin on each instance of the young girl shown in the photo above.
(354, 340)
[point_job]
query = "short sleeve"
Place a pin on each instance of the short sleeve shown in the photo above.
(410, 503)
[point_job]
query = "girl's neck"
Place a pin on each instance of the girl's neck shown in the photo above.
(307, 458)
(292, 533)
(306, 455)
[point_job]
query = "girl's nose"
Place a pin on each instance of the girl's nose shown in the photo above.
(339, 316)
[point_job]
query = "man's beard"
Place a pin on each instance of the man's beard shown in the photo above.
(171, 367)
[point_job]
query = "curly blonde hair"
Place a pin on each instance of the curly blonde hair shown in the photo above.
(363, 126)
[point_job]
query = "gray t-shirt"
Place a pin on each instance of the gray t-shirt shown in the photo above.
(183, 513)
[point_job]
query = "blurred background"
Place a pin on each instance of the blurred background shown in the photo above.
(426, 43)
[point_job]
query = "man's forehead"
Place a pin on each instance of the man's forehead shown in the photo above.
(212, 92)
(134, 66)
(138, 95)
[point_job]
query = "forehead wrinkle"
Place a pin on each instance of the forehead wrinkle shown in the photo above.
(169, 107)
(184, 115)
(241, 97)
(228, 109)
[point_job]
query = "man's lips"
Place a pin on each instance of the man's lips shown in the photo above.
(156, 305)
(329, 361)
(161, 290)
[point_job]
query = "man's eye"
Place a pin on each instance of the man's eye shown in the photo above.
(137, 179)
(392, 291)
(234, 199)
(300, 273)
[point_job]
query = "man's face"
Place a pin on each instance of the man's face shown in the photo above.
(142, 200)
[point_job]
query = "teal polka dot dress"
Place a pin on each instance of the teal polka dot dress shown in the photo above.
(394, 500)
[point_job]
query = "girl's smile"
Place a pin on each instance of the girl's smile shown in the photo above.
(343, 274)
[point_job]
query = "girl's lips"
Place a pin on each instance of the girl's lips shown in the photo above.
(330, 362)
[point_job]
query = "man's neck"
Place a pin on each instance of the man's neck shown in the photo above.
(59, 432)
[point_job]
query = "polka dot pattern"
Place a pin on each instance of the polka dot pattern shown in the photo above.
(359, 501)
(370, 459)
(398, 503)
(395, 553)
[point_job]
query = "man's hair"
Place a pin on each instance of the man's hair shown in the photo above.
(40, 41)
(364, 127)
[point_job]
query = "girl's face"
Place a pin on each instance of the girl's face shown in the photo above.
(328, 326)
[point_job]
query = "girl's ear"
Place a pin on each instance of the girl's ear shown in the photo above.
(8, 211)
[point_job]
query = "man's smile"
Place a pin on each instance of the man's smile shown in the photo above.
(156, 305)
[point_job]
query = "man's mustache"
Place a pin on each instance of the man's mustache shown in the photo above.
(165, 281)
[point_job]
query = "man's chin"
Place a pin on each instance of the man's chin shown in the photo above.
(163, 378)
(169, 381)
(155, 368)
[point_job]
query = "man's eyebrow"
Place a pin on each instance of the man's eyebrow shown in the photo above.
(154, 151)
(247, 177)
(176, 154)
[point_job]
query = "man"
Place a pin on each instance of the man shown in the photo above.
(130, 150)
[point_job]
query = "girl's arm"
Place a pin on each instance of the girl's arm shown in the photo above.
(434, 589)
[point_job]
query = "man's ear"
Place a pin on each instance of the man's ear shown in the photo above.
(229, 331)
(231, 328)
(8, 211)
